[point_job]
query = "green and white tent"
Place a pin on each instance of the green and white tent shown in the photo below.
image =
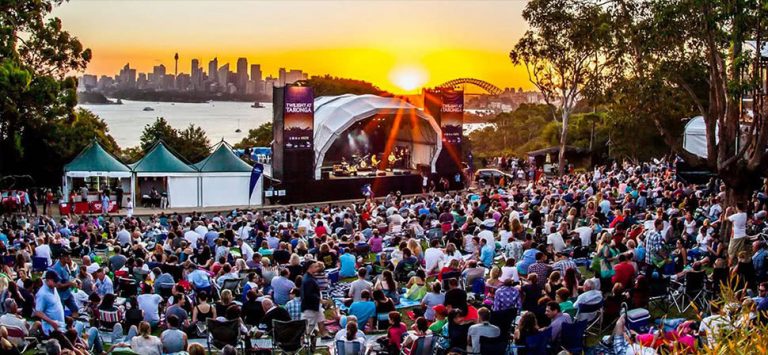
(225, 179)
(97, 167)
(165, 171)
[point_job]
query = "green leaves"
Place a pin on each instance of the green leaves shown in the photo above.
(258, 137)
(191, 143)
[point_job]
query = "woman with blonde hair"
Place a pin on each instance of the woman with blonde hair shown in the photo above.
(145, 343)
(415, 248)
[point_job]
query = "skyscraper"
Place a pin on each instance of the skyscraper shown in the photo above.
(213, 65)
(242, 74)
(127, 77)
(176, 64)
(222, 76)
(158, 76)
(196, 75)
(281, 77)
(256, 72)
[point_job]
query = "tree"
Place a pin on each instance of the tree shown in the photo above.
(560, 54)
(191, 143)
(38, 99)
(258, 137)
(329, 86)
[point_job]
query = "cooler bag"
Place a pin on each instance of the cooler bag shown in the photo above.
(639, 320)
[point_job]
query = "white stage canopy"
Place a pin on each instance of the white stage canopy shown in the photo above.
(335, 114)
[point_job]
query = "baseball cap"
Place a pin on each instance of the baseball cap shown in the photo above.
(440, 309)
(52, 275)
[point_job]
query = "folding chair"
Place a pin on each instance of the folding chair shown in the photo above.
(505, 320)
(593, 315)
(344, 347)
(535, 344)
(572, 336)
(493, 346)
(165, 290)
(692, 291)
(221, 334)
(108, 319)
(424, 345)
(26, 341)
(288, 337)
(39, 264)
(233, 285)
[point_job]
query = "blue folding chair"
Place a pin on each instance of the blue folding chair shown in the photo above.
(39, 264)
(572, 336)
(478, 286)
(593, 314)
(537, 343)
(422, 345)
(344, 347)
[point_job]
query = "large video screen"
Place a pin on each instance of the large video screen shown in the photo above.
(299, 117)
(452, 116)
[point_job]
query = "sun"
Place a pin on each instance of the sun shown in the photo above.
(408, 78)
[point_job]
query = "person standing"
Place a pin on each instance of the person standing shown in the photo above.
(310, 300)
(48, 305)
(119, 196)
(739, 241)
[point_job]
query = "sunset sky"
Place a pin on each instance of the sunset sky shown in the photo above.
(397, 45)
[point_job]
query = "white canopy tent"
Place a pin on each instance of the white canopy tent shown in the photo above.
(695, 137)
(225, 180)
(98, 165)
(335, 114)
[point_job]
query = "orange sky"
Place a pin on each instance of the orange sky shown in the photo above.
(397, 45)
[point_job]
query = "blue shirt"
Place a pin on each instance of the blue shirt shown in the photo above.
(199, 279)
(48, 302)
(486, 255)
(64, 277)
(104, 287)
(363, 310)
(281, 289)
(347, 265)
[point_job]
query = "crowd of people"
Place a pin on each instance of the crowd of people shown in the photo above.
(470, 269)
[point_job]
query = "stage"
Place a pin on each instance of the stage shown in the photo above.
(351, 187)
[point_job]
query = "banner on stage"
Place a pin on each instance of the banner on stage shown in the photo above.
(299, 117)
(452, 116)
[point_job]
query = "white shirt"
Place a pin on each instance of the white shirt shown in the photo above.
(129, 207)
(488, 236)
(93, 267)
(739, 221)
(433, 259)
(149, 304)
(509, 272)
(557, 242)
(201, 230)
(246, 251)
(690, 227)
(585, 234)
(192, 237)
(43, 251)
(713, 325)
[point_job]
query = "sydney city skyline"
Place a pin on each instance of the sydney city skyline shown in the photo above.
(399, 46)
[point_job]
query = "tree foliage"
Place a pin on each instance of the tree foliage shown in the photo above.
(38, 98)
(258, 137)
(330, 86)
(560, 53)
(191, 143)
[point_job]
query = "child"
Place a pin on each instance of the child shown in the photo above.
(395, 333)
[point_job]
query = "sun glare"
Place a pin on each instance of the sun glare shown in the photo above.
(408, 78)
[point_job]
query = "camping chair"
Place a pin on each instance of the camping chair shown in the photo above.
(39, 264)
(221, 334)
(288, 337)
(458, 334)
(126, 287)
(424, 345)
(534, 344)
(692, 291)
(494, 346)
(344, 347)
(233, 285)
(165, 290)
(108, 319)
(505, 320)
(593, 315)
(26, 341)
(572, 336)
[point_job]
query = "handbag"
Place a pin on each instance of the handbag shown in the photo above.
(606, 270)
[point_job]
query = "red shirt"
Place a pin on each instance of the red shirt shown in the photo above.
(624, 273)
(395, 335)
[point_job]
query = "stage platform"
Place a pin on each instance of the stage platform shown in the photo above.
(341, 188)
(373, 174)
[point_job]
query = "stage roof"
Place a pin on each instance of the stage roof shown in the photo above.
(335, 114)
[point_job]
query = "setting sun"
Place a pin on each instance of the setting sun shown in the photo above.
(408, 78)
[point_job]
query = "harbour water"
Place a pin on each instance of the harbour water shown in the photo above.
(219, 119)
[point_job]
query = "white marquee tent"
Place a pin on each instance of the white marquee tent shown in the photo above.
(335, 114)
(225, 180)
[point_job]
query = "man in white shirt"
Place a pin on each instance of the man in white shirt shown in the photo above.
(740, 242)
(245, 250)
(591, 295)
(556, 239)
(123, 236)
(433, 257)
(191, 237)
(487, 232)
(90, 267)
(149, 303)
(43, 250)
(13, 319)
(201, 229)
(585, 234)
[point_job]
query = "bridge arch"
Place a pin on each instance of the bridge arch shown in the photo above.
(488, 87)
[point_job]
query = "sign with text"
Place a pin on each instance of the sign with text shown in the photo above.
(452, 116)
(299, 117)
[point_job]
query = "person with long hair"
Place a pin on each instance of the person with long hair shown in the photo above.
(145, 343)
(419, 329)
(388, 285)
(526, 327)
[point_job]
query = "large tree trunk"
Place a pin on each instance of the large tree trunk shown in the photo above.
(739, 184)
(563, 139)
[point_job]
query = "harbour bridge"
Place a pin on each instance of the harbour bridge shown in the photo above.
(488, 87)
